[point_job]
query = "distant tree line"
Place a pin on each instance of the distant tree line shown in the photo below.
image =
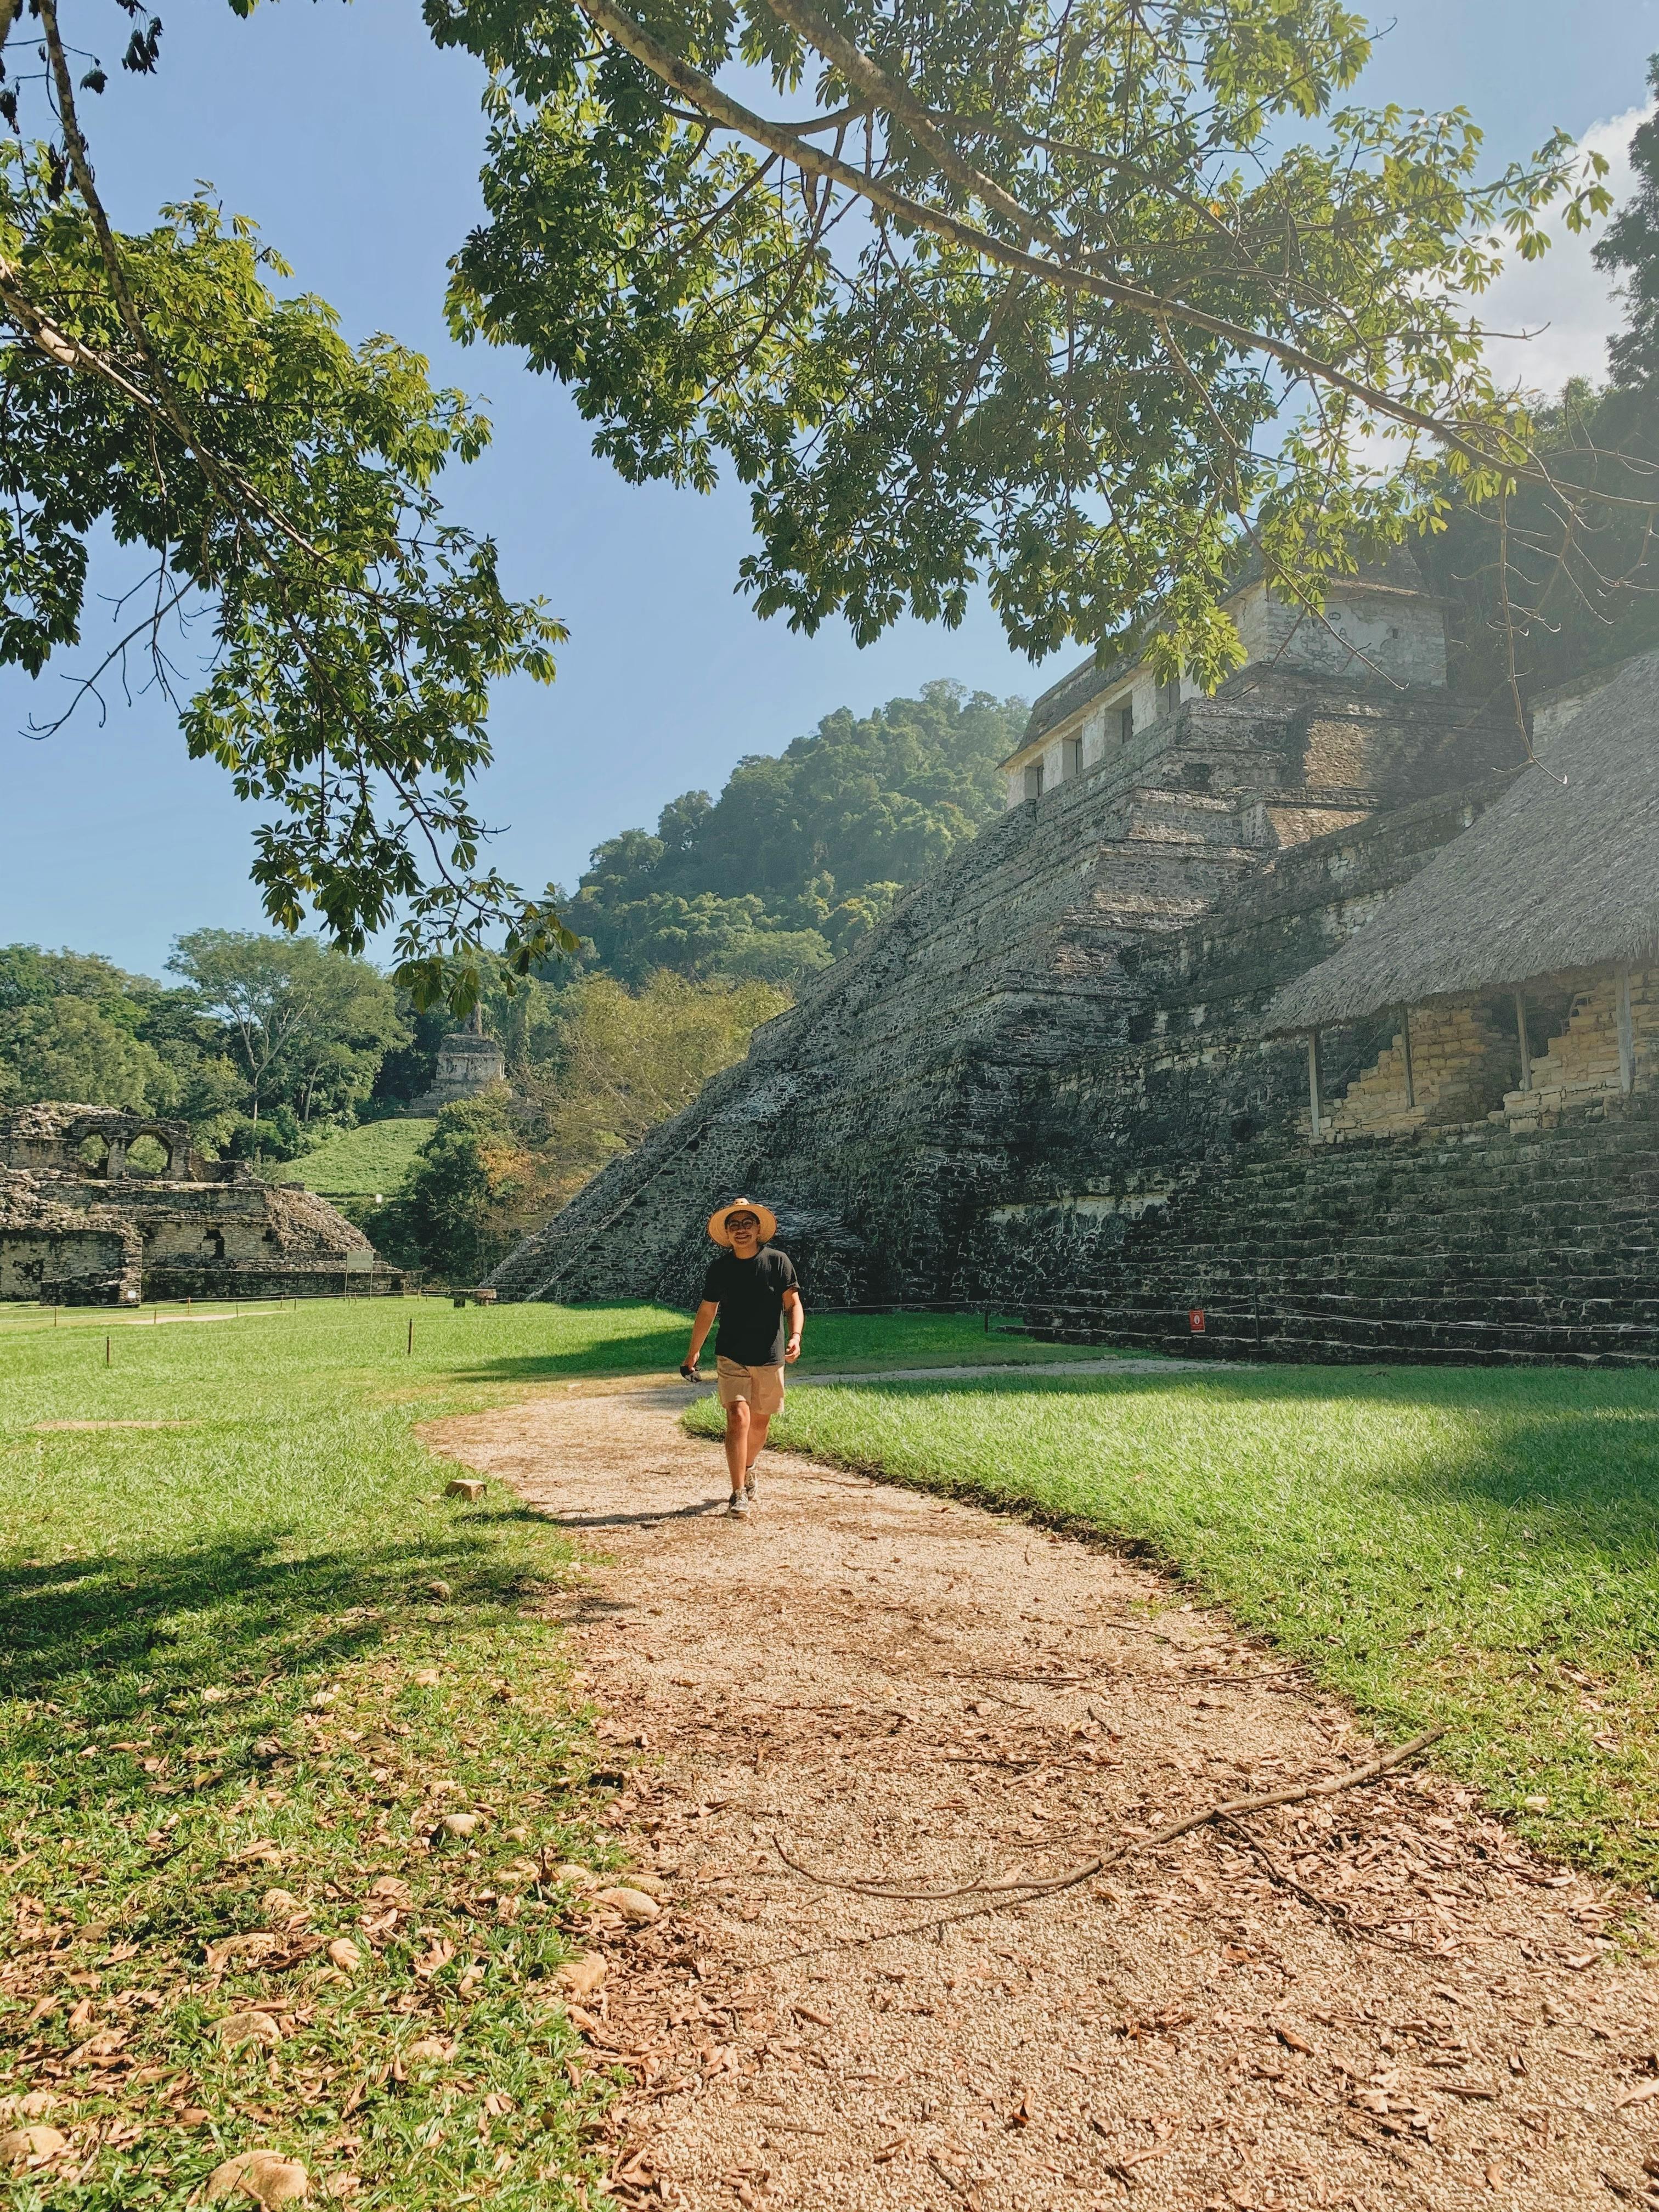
(804, 852)
(263, 1044)
(1560, 579)
(268, 1044)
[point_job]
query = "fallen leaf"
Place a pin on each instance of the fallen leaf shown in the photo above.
(579, 1877)
(239, 2027)
(439, 1589)
(280, 1904)
(430, 2050)
(263, 2175)
(342, 2184)
(1638, 2096)
(635, 1906)
(256, 1945)
(460, 1824)
(582, 1977)
(344, 1953)
(32, 2146)
(392, 1887)
(439, 1956)
(427, 1678)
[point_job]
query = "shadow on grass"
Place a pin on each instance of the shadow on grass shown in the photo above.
(657, 1351)
(137, 1634)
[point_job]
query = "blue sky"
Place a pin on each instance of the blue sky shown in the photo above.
(356, 145)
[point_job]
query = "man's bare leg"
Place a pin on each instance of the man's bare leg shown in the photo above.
(737, 1455)
(758, 1424)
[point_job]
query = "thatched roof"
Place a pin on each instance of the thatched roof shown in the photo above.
(1563, 872)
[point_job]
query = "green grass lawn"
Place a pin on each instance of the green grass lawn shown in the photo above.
(1474, 1546)
(250, 1657)
(358, 1163)
(247, 1647)
(213, 1637)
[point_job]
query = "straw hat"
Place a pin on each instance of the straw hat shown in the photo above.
(763, 1214)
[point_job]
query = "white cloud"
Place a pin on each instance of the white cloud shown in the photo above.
(1565, 300)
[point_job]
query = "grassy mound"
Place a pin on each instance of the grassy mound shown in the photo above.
(358, 1163)
(1468, 1546)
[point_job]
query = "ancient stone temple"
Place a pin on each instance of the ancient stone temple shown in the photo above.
(1306, 1019)
(99, 1207)
(469, 1063)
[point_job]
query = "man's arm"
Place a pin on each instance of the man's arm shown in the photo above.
(796, 1313)
(703, 1321)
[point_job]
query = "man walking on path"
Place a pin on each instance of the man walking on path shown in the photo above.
(750, 1287)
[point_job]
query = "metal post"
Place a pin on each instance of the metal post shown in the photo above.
(1406, 1040)
(1626, 1034)
(1526, 1045)
(1313, 1080)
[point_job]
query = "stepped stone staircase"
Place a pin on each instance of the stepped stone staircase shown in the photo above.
(1004, 1034)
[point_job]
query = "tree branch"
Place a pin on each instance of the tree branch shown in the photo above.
(672, 70)
(867, 76)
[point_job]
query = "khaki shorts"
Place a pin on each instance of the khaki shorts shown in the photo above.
(761, 1388)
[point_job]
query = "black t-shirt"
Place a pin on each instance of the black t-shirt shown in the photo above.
(750, 1295)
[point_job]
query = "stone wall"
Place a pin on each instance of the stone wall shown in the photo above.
(1480, 1244)
(468, 1066)
(104, 1234)
(1385, 627)
(81, 1256)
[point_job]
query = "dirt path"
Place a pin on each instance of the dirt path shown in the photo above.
(1382, 2002)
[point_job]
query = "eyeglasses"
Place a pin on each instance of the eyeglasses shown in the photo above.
(736, 1221)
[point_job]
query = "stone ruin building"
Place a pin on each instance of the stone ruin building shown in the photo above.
(99, 1207)
(469, 1063)
(1310, 1019)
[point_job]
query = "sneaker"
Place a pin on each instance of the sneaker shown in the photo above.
(751, 1488)
(739, 1508)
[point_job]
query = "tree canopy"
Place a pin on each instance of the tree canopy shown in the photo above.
(1061, 299)
(1549, 580)
(303, 1023)
(804, 851)
(281, 482)
(609, 1063)
(265, 1039)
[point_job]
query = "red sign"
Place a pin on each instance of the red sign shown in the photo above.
(1195, 1321)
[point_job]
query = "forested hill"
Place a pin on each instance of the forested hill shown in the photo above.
(803, 851)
